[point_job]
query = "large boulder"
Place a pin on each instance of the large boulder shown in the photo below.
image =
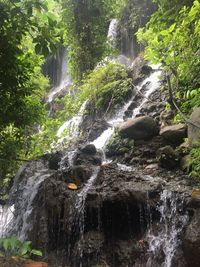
(89, 149)
(141, 128)
(174, 134)
(194, 128)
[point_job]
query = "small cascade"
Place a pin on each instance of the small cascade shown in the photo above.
(73, 124)
(112, 32)
(164, 241)
(63, 79)
(16, 219)
(6, 216)
(153, 84)
(80, 209)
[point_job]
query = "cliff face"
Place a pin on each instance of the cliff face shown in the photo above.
(114, 206)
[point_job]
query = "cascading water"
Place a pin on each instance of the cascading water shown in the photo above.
(153, 84)
(80, 209)
(63, 79)
(16, 219)
(164, 244)
(6, 216)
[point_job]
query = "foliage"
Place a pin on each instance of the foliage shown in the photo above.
(29, 30)
(45, 139)
(107, 85)
(87, 24)
(174, 42)
(135, 14)
(195, 161)
(13, 247)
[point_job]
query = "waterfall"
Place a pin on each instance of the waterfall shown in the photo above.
(112, 32)
(164, 244)
(56, 68)
(17, 219)
(6, 216)
(80, 209)
(153, 84)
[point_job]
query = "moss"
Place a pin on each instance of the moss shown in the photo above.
(118, 146)
(195, 162)
(108, 86)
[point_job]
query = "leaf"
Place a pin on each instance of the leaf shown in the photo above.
(36, 252)
(6, 244)
(38, 49)
(172, 27)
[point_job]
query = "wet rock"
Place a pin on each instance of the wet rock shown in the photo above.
(191, 242)
(140, 69)
(141, 128)
(167, 157)
(54, 160)
(119, 146)
(174, 134)
(185, 163)
(166, 117)
(87, 159)
(80, 174)
(91, 245)
(193, 130)
(89, 149)
(96, 128)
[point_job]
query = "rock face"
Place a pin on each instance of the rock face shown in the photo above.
(141, 128)
(174, 134)
(191, 244)
(193, 131)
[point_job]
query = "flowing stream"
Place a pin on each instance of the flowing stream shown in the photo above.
(164, 244)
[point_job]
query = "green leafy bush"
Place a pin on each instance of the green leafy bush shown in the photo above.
(172, 38)
(107, 85)
(13, 247)
(195, 161)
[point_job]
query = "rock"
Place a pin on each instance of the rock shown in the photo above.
(141, 128)
(167, 157)
(174, 134)
(166, 117)
(36, 264)
(193, 131)
(54, 160)
(89, 149)
(191, 242)
(140, 68)
(185, 163)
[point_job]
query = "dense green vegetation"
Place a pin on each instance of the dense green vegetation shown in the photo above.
(86, 32)
(28, 32)
(108, 85)
(174, 42)
(172, 38)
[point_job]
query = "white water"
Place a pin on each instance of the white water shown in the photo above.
(6, 216)
(152, 87)
(112, 31)
(80, 208)
(65, 79)
(104, 138)
(166, 241)
(16, 219)
(73, 124)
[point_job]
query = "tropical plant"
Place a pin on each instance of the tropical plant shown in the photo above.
(13, 247)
